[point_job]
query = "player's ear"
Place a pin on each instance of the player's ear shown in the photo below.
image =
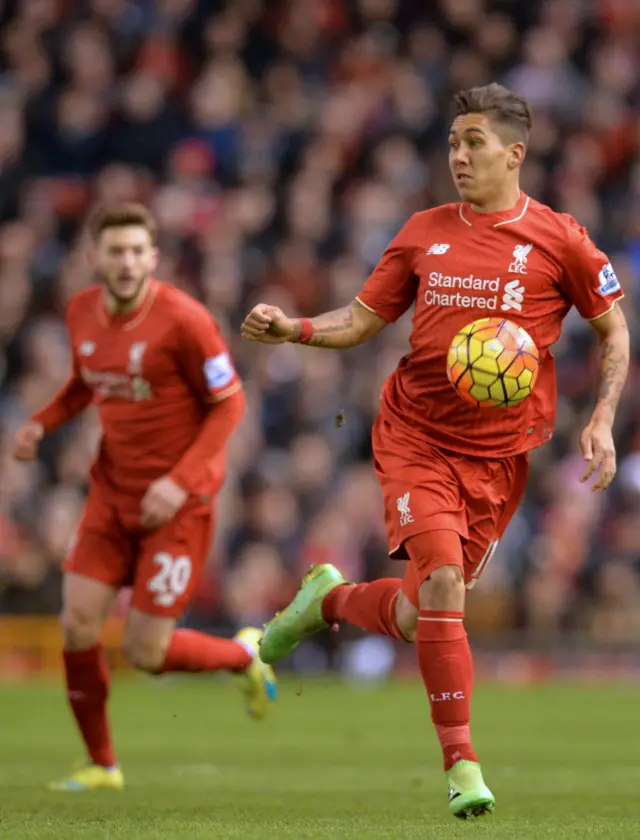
(155, 259)
(515, 157)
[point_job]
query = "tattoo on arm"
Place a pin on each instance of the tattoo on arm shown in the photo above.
(333, 328)
(614, 364)
(346, 327)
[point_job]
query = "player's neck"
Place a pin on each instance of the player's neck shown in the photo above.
(117, 307)
(507, 199)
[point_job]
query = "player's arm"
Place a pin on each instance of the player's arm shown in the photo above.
(592, 286)
(223, 418)
(206, 365)
(345, 327)
(387, 294)
(167, 495)
(613, 336)
(596, 440)
(71, 400)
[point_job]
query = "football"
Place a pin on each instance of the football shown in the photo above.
(493, 363)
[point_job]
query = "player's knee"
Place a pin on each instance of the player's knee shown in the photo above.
(142, 655)
(81, 629)
(443, 590)
(406, 617)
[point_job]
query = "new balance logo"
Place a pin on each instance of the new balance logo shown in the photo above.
(405, 511)
(438, 249)
(513, 296)
(520, 255)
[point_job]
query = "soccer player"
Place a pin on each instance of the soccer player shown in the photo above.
(452, 474)
(153, 360)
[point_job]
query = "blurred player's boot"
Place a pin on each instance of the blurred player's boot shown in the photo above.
(303, 617)
(468, 794)
(257, 683)
(90, 777)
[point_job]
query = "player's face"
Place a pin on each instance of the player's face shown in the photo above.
(124, 257)
(481, 164)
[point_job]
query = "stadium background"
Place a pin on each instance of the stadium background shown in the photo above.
(281, 145)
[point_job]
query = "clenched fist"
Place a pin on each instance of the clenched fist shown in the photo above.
(269, 325)
(26, 440)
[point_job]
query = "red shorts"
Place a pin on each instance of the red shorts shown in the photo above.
(430, 489)
(161, 566)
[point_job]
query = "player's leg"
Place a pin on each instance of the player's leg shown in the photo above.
(168, 570)
(86, 604)
(490, 507)
(439, 571)
(416, 487)
(326, 598)
(427, 521)
(379, 607)
(93, 573)
(153, 644)
(436, 582)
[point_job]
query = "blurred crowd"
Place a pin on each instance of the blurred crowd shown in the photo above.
(281, 144)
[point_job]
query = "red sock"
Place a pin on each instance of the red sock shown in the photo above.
(87, 675)
(446, 666)
(370, 606)
(190, 650)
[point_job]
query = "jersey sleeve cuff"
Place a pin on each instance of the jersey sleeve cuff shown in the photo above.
(372, 310)
(219, 396)
(365, 306)
(182, 481)
(606, 311)
(50, 418)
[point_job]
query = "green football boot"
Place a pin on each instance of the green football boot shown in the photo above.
(468, 794)
(303, 616)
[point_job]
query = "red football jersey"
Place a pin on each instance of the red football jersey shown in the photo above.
(529, 264)
(153, 375)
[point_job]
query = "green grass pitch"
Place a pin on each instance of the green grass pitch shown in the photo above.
(334, 761)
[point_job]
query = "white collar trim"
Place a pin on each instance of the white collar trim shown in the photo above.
(498, 224)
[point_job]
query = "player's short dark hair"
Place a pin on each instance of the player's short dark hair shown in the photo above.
(125, 214)
(501, 105)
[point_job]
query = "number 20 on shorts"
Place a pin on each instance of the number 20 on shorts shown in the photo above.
(171, 580)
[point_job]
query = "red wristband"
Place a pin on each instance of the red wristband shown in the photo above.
(306, 331)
